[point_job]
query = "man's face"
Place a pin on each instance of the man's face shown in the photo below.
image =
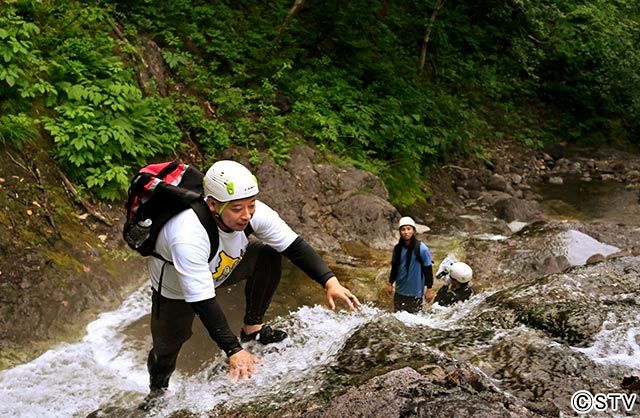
(406, 232)
(237, 214)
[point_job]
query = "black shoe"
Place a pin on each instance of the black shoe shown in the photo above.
(266, 335)
(153, 399)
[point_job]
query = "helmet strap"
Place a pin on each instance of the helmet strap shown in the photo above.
(217, 213)
(223, 207)
(221, 223)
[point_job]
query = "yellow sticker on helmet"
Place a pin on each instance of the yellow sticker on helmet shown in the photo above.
(230, 188)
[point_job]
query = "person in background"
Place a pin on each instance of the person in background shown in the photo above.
(184, 281)
(411, 270)
(459, 287)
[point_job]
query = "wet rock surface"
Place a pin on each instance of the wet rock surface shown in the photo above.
(520, 351)
(542, 248)
(571, 307)
(407, 393)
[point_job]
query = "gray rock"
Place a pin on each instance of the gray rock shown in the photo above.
(497, 182)
(151, 72)
(472, 184)
(462, 192)
(367, 218)
(326, 204)
(596, 258)
(489, 198)
(512, 209)
(562, 164)
(405, 392)
(554, 264)
(632, 176)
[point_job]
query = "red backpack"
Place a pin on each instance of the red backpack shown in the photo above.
(157, 193)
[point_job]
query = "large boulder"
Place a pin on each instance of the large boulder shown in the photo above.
(327, 204)
(405, 392)
(512, 209)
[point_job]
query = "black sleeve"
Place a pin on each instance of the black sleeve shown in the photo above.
(213, 318)
(307, 259)
(427, 272)
(394, 268)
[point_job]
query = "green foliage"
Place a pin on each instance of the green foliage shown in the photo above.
(208, 129)
(339, 74)
(16, 48)
(105, 128)
(101, 125)
(17, 129)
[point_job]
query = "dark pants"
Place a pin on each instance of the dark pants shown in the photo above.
(406, 303)
(171, 319)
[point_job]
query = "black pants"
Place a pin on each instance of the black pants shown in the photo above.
(171, 319)
(406, 303)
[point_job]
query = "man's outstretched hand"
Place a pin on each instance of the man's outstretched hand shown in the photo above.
(335, 291)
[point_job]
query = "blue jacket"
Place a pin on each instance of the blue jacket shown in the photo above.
(411, 282)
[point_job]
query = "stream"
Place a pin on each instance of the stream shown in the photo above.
(584, 334)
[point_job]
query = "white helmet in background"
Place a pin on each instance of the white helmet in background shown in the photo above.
(228, 180)
(406, 220)
(461, 272)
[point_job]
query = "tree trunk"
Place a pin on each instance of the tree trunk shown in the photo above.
(427, 34)
(297, 5)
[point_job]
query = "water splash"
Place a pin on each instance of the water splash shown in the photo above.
(105, 369)
(288, 371)
(445, 318)
(74, 379)
(490, 237)
(617, 343)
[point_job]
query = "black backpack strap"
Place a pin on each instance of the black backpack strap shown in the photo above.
(416, 250)
(248, 230)
(206, 219)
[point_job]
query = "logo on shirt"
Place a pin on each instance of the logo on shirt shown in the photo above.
(225, 266)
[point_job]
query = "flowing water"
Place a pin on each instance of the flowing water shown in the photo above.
(583, 334)
(591, 201)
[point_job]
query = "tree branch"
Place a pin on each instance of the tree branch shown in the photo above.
(73, 192)
(45, 200)
(35, 172)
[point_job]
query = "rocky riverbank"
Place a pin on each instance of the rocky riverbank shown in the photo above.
(504, 183)
(66, 260)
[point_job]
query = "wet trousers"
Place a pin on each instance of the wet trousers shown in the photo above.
(406, 303)
(171, 319)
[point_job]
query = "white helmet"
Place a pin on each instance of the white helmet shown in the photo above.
(406, 220)
(461, 272)
(228, 180)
